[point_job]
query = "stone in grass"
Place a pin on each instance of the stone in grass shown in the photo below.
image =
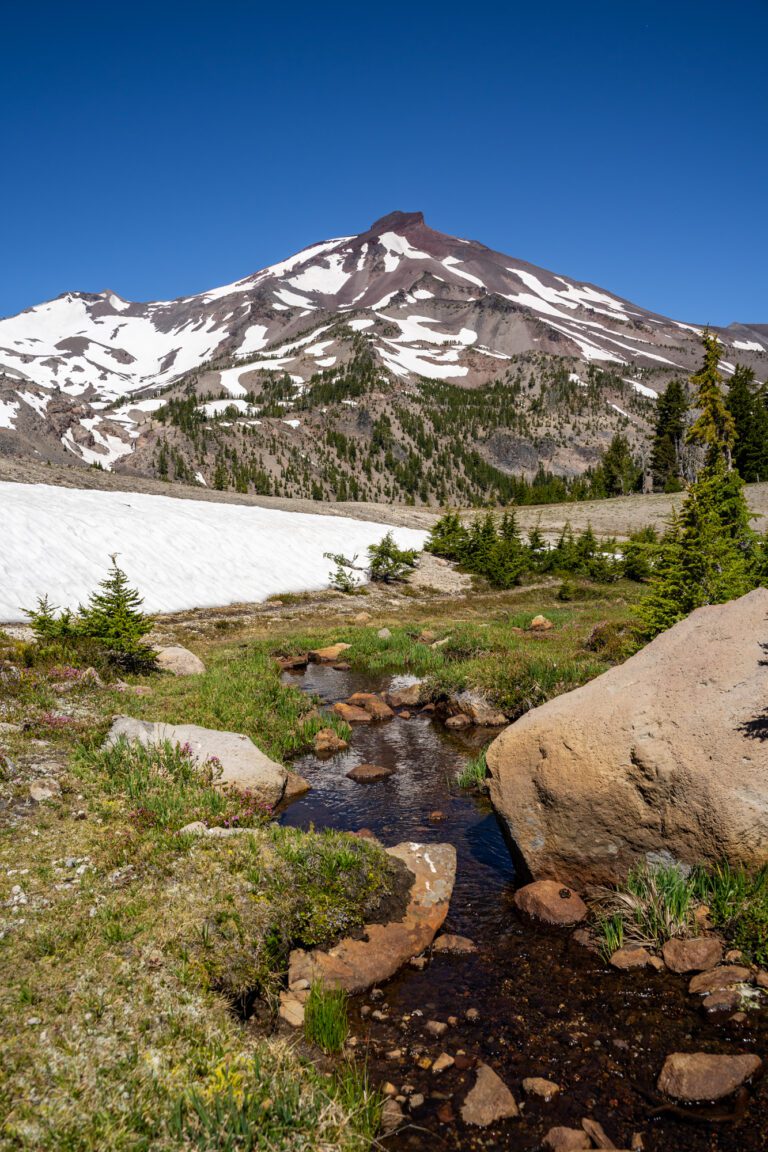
(696, 1077)
(540, 624)
(47, 788)
(699, 954)
(240, 763)
(369, 773)
(328, 655)
(538, 1086)
(566, 1140)
(384, 634)
(489, 1100)
(552, 902)
(179, 661)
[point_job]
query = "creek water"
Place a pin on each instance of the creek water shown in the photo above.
(546, 1006)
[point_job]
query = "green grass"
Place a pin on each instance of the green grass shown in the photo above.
(655, 904)
(474, 772)
(738, 904)
(325, 1018)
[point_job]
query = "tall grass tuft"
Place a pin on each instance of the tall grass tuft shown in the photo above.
(474, 773)
(325, 1018)
(655, 904)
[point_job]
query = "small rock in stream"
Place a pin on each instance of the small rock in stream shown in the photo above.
(538, 1086)
(489, 1100)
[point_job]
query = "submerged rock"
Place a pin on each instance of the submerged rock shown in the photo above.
(566, 1140)
(699, 1076)
(538, 1086)
(358, 964)
(241, 764)
(369, 773)
(632, 763)
(489, 1100)
(550, 901)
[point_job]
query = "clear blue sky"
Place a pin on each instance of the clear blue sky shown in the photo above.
(161, 149)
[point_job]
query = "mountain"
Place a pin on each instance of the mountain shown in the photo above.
(419, 316)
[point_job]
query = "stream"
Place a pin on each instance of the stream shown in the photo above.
(539, 1003)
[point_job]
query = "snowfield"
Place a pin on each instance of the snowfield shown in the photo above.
(178, 553)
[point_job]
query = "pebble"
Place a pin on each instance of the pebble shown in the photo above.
(538, 1086)
(436, 1028)
(391, 1115)
(443, 1063)
(472, 1014)
(416, 1101)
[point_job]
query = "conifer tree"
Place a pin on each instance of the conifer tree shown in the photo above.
(114, 618)
(714, 428)
(672, 406)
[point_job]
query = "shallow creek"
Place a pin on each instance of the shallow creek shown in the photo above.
(546, 1006)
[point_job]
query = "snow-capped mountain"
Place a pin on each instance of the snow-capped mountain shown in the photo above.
(427, 304)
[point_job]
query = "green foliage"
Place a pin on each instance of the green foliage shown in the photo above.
(474, 772)
(709, 554)
(325, 1018)
(748, 406)
(496, 551)
(341, 577)
(618, 471)
(610, 929)
(655, 904)
(164, 787)
(668, 436)
(738, 905)
(714, 428)
(112, 620)
(389, 564)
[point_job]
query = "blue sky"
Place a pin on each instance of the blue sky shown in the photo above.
(161, 149)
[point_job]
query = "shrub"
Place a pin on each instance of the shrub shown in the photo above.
(388, 563)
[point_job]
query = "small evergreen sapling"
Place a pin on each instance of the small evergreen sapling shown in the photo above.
(113, 616)
(388, 563)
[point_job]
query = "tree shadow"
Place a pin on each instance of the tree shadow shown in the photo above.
(757, 729)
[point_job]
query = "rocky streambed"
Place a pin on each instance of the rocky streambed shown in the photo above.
(513, 1030)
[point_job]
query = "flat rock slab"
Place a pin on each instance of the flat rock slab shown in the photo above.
(489, 1100)
(696, 955)
(551, 901)
(243, 765)
(328, 655)
(698, 1076)
(566, 1140)
(726, 977)
(179, 661)
(356, 965)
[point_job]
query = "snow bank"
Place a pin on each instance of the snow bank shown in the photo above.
(178, 553)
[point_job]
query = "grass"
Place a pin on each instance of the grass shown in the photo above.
(738, 905)
(655, 904)
(474, 772)
(325, 1018)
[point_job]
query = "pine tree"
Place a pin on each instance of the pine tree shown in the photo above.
(113, 617)
(672, 406)
(750, 416)
(714, 427)
(620, 472)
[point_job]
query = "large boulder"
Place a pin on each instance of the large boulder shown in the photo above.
(660, 755)
(179, 661)
(243, 765)
(355, 964)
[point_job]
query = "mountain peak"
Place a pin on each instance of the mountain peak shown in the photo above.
(395, 220)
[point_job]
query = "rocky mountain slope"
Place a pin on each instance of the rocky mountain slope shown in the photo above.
(400, 364)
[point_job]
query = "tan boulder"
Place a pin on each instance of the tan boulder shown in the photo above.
(550, 901)
(179, 661)
(327, 741)
(240, 763)
(699, 1076)
(373, 704)
(328, 655)
(407, 697)
(351, 713)
(632, 764)
(698, 954)
(357, 964)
